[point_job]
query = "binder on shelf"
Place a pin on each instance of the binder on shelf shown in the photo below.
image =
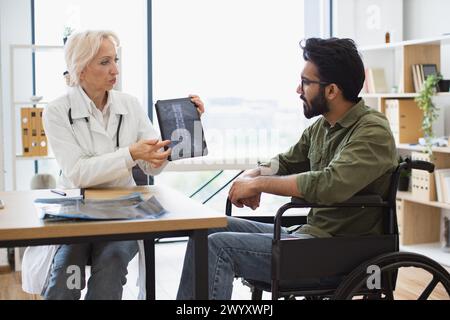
(42, 139)
(415, 76)
(34, 141)
(34, 132)
(405, 119)
(26, 131)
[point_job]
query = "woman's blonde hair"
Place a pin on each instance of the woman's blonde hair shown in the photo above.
(81, 48)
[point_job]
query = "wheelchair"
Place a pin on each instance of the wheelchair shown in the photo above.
(343, 268)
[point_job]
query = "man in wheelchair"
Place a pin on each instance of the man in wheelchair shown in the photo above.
(348, 150)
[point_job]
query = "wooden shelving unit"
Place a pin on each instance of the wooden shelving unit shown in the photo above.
(416, 147)
(408, 196)
(419, 220)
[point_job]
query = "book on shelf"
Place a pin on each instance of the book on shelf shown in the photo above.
(446, 189)
(375, 81)
(421, 72)
(442, 177)
(25, 127)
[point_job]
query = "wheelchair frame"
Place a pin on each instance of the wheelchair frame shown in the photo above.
(344, 259)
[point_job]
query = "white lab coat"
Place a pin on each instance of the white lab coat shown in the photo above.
(90, 159)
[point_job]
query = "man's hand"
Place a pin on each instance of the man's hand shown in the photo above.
(246, 191)
(150, 151)
(252, 202)
(243, 192)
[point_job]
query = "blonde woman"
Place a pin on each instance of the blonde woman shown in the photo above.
(97, 135)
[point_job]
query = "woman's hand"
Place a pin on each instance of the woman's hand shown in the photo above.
(149, 150)
(198, 103)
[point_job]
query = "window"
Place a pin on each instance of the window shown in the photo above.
(128, 21)
(243, 58)
(51, 17)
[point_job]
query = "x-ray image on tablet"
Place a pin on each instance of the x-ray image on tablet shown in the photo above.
(179, 121)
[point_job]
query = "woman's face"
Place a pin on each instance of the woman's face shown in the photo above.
(101, 73)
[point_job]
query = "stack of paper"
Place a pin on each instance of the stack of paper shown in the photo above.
(128, 207)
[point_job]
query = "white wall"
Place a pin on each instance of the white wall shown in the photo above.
(15, 28)
(367, 21)
(426, 18)
(2, 143)
(316, 22)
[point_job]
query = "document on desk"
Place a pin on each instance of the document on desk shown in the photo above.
(132, 206)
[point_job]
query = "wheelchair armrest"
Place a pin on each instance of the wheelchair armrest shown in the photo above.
(372, 200)
(288, 220)
(358, 201)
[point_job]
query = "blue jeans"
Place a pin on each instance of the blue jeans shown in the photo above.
(242, 249)
(109, 262)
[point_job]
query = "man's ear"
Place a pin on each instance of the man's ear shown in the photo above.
(332, 91)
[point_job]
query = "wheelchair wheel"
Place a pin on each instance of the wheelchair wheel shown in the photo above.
(357, 282)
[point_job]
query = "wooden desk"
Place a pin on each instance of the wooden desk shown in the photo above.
(20, 226)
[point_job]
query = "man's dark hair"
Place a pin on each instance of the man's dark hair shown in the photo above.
(337, 61)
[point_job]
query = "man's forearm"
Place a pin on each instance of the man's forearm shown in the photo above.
(252, 173)
(278, 185)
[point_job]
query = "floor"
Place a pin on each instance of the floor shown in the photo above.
(169, 258)
(169, 262)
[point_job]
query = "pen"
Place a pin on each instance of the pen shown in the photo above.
(61, 193)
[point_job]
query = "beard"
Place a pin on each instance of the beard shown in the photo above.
(317, 107)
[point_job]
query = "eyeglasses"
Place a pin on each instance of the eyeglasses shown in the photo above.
(307, 82)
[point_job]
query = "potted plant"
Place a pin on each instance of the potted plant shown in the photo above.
(429, 109)
(405, 176)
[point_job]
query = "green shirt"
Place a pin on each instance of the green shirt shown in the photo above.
(332, 164)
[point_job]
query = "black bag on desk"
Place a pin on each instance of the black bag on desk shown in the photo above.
(179, 121)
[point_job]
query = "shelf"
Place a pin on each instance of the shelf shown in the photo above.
(430, 250)
(36, 47)
(407, 196)
(389, 95)
(416, 147)
(35, 158)
(399, 95)
(212, 164)
(391, 46)
(30, 102)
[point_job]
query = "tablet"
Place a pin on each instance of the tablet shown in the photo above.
(179, 121)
